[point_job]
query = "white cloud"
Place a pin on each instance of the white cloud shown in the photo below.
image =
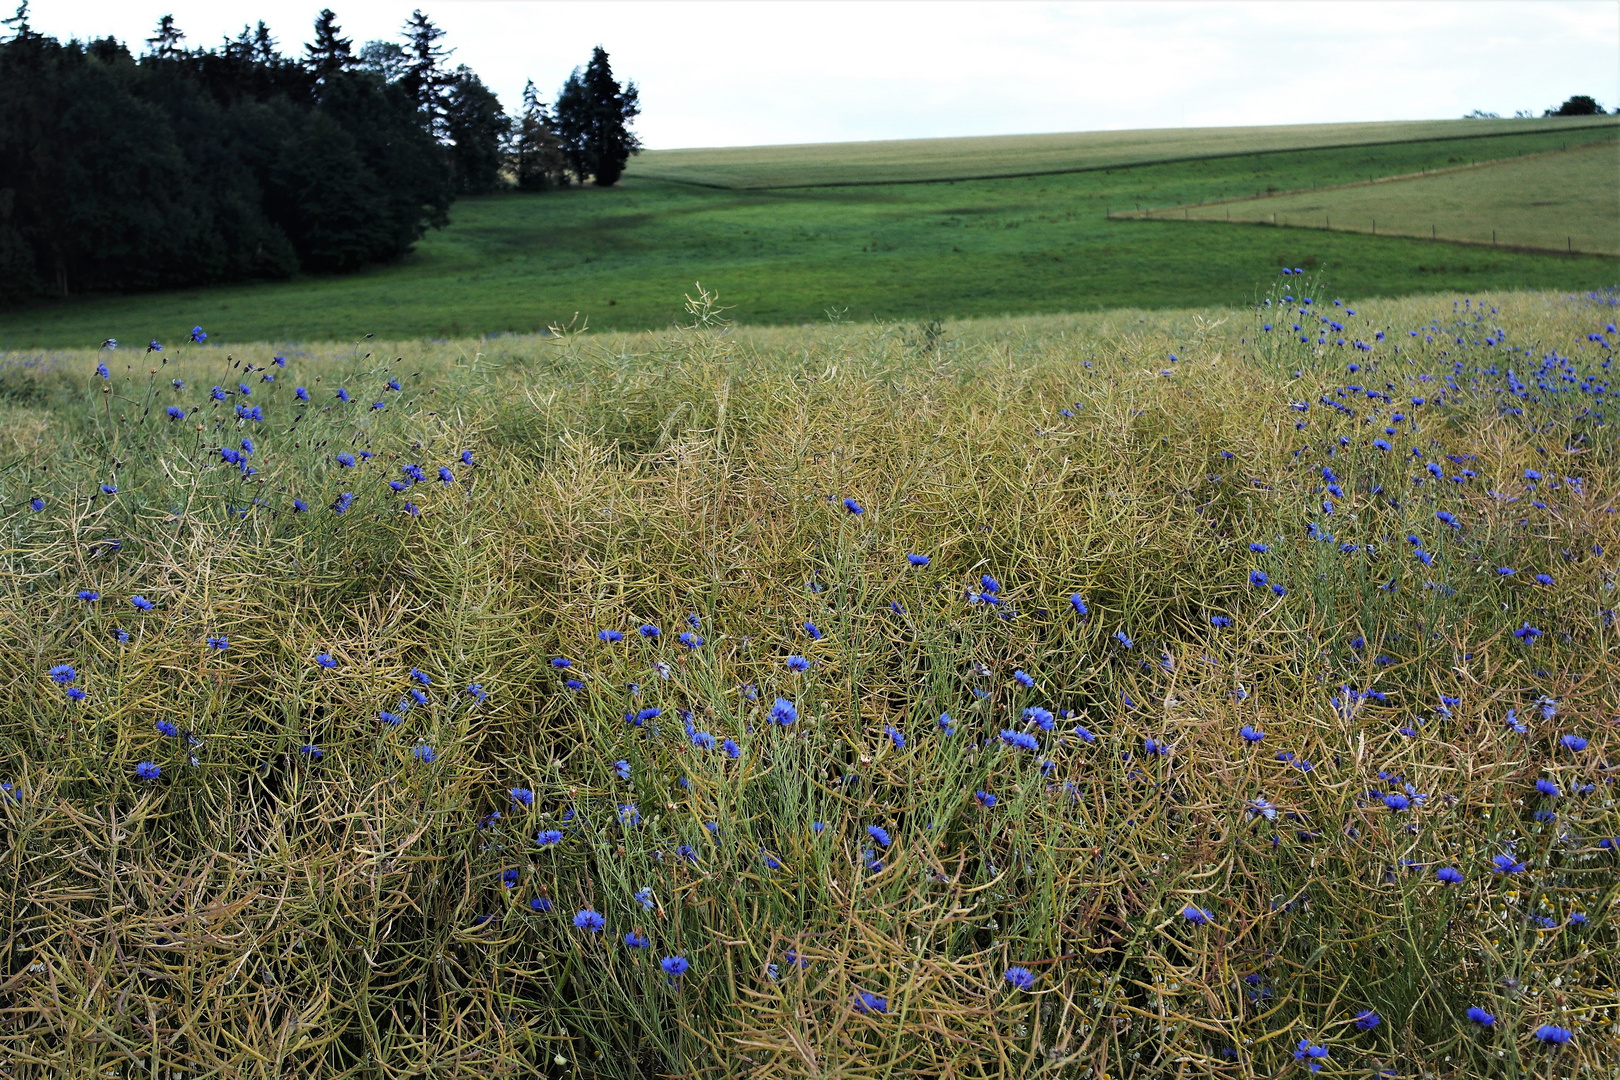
(737, 73)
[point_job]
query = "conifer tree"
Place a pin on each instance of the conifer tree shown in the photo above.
(330, 52)
(538, 162)
(593, 118)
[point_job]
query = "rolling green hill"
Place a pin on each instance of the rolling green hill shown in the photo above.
(622, 258)
(910, 160)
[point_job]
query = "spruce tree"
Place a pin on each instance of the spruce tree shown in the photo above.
(593, 118)
(330, 52)
(166, 41)
(537, 158)
(425, 78)
(477, 127)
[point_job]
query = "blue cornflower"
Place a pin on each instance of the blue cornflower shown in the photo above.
(636, 941)
(1258, 577)
(197, 335)
(797, 663)
(895, 736)
(1381, 444)
(63, 673)
(1504, 864)
(221, 643)
(1021, 978)
(1021, 739)
(818, 827)
(311, 751)
(1220, 622)
(1155, 748)
(1197, 915)
(1252, 734)
(622, 767)
(424, 754)
(391, 719)
(74, 693)
(1548, 788)
(1397, 801)
(344, 501)
(879, 834)
(644, 897)
(109, 489)
(1506, 571)
(609, 636)
(147, 771)
(521, 796)
(675, 966)
(1041, 717)
(917, 560)
(1480, 1016)
(36, 505)
(101, 369)
(702, 740)
(945, 724)
(811, 629)
(1573, 742)
(989, 585)
(647, 630)
(985, 799)
(690, 640)
(733, 751)
(1527, 633)
(421, 677)
(1024, 679)
(854, 507)
(300, 393)
(175, 412)
(548, 837)
(1078, 602)
(783, 713)
(325, 660)
(1449, 875)
(477, 691)
(561, 662)
(1311, 1054)
(165, 728)
(1367, 1020)
(1551, 1033)
(871, 1003)
(589, 921)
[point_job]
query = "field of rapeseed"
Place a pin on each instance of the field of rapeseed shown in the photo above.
(1122, 695)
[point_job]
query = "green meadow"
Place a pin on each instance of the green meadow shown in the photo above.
(619, 259)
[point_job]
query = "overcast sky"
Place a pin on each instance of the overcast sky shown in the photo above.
(743, 73)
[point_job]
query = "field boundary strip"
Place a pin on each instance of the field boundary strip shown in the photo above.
(1167, 213)
(1131, 164)
(1158, 213)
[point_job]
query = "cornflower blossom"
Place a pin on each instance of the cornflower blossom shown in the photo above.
(1196, 915)
(783, 713)
(1449, 875)
(917, 560)
(879, 834)
(797, 663)
(548, 837)
(589, 921)
(147, 771)
(1480, 1016)
(1021, 978)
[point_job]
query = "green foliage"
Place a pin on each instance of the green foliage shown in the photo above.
(478, 130)
(266, 912)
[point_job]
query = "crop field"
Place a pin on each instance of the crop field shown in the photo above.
(1225, 692)
(912, 160)
(620, 258)
(1565, 200)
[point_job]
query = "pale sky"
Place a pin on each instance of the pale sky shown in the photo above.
(737, 73)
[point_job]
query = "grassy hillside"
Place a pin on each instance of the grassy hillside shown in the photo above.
(622, 258)
(1148, 695)
(910, 160)
(1557, 201)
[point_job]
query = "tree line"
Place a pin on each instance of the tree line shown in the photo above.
(185, 166)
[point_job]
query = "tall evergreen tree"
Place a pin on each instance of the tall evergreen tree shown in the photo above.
(593, 118)
(477, 128)
(537, 158)
(330, 52)
(425, 79)
(166, 41)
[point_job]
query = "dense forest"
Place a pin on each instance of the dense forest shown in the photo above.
(185, 166)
